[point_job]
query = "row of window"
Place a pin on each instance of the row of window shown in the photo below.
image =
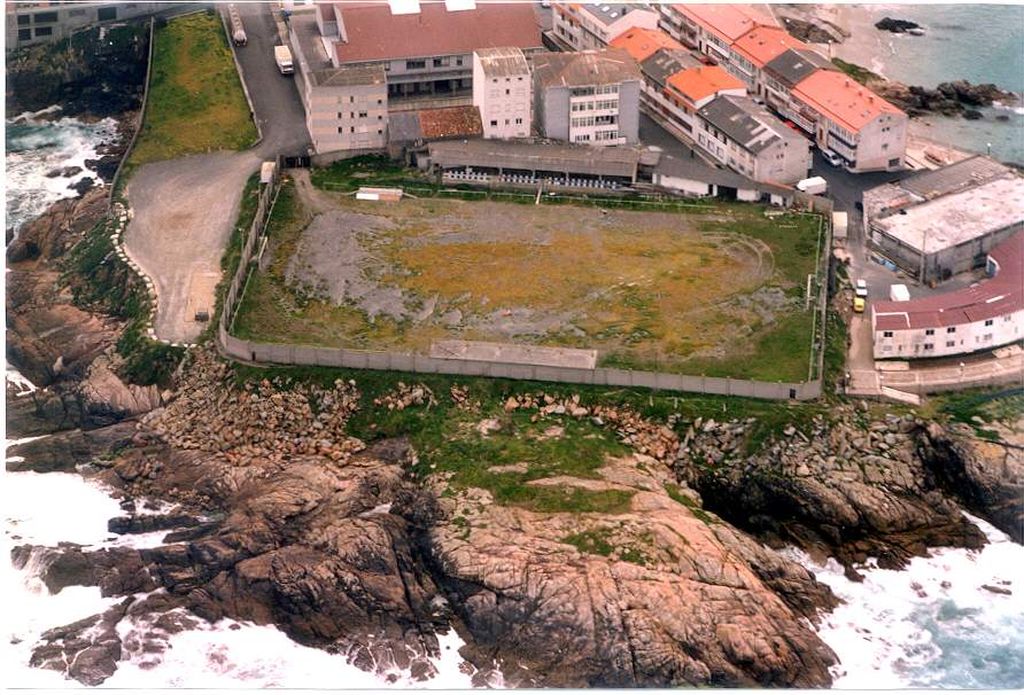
(600, 89)
(352, 130)
(358, 114)
(494, 123)
(437, 63)
(586, 121)
(352, 100)
(950, 329)
(599, 105)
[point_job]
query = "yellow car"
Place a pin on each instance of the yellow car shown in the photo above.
(858, 305)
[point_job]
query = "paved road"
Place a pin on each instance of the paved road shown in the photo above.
(184, 210)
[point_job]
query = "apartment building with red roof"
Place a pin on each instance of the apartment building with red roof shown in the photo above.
(865, 130)
(984, 316)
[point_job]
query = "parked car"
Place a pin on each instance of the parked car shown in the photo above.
(832, 158)
(861, 288)
(858, 305)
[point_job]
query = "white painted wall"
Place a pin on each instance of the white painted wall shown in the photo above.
(965, 338)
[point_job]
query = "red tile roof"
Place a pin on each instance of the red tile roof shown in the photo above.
(841, 99)
(643, 43)
(373, 33)
(988, 299)
(704, 81)
(451, 122)
(763, 44)
(727, 21)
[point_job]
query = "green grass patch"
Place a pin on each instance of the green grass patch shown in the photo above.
(676, 493)
(196, 103)
(979, 408)
(858, 73)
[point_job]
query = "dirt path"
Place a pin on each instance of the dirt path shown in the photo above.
(183, 213)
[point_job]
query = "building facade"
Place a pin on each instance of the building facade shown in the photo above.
(583, 27)
(983, 316)
(865, 130)
(30, 23)
(745, 137)
(346, 109)
(592, 97)
(503, 92)
(938, 223)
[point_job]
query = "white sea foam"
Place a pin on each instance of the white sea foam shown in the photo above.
(22, 385)
(45, 509)
(903, 629)
(35, 148)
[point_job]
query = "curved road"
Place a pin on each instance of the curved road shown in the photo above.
(183, 210)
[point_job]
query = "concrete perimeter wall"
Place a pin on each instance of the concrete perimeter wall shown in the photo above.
(305, 355)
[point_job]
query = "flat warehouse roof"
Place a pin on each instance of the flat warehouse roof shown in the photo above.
(957, 218)
(605, 161)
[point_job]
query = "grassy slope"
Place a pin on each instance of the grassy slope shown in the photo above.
(196, 103)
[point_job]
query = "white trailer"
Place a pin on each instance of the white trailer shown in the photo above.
(815, 185)
(283, 58)
(899, 293)
(238, 36)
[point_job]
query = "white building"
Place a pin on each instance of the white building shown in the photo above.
(869, 133)
(745, 137)
(503, 92)
(346, 108)
(983, 316)
(592, 97)
(583, 27)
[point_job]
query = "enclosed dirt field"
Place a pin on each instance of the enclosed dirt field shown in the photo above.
(696, 292)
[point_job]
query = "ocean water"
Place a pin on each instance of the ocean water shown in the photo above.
(978, 43)
(36, 146)
(932, 625)
(222, 655)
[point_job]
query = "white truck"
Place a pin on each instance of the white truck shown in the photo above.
(238, 36)
(283, 58)
(899, 293)
(815, 185)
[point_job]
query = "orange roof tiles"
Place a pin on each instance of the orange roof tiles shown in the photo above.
(763, 44)
(728, 21)
(704, 81)
(451, 121)
(843, 100)
(641, 44)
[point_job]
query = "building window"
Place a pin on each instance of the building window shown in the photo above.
(44, 31)
(351, 129)
(47, 17)
(988, 322)
(415, 64)
(894, 162)
(494, 123)
(351, 99)
(458, 61)
(987, 336)
(495, 80)
(507, 92)
(380, 102)
(950, 343)
(886, 334)
(380, 131)
(519, 121)
(340, 130)
(362, 114)
(24, 34)
(951, 329)
(441, 62)
(380, 117)
(929, 346)
(24, 19)
(930, 331)
(351, 114)
(507, 122)
(105, 13)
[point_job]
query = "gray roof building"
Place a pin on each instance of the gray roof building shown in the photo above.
(958, 176)
(505, 61)
(665, 62)
(610, 13)
(748, 123)
(349, 76)
(794, 65)
(576, 159)
(612, 66)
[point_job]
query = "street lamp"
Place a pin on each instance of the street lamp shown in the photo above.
(988, 146)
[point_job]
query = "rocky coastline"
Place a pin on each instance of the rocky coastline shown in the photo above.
(282, 517)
